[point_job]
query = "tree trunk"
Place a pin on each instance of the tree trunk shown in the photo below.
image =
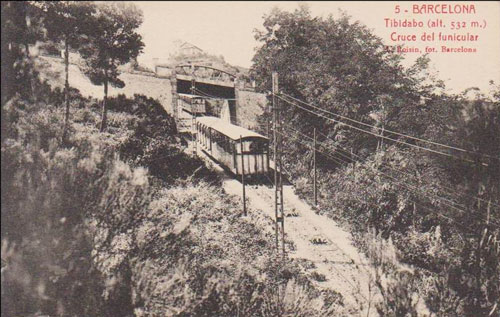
(27, 49)
(66, 86)
(104, 109)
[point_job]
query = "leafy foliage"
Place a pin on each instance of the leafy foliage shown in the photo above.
(338, 65)
(68, 21)
(20, 28)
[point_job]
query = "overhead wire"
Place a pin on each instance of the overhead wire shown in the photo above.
(378, 135)
(390, 131)
(319, 143)
(336, 160)
(398, 141)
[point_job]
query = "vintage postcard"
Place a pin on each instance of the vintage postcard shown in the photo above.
(272, 158)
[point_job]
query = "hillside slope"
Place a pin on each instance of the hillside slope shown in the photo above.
(250, 104)
(52, 69)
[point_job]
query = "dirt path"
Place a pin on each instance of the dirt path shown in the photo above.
(336, 263)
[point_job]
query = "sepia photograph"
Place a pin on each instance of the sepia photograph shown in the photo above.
(250, 158)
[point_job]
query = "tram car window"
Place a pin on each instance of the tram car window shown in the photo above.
(257, 146)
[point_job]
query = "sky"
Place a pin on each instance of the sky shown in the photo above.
(227, 28)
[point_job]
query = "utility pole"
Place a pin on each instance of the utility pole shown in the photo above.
(243, 177)
(278, 184)
(268, 128)
(268, 120)
(315, 190)
(193, 119)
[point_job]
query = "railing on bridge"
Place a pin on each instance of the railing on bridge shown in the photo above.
(204, 73)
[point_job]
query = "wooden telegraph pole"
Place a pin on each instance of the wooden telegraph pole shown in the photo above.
(278, 184)
(193, 119)
(315, 190)
(268, 120)
(243, 177)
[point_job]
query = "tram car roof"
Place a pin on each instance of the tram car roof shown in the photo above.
(228, 129)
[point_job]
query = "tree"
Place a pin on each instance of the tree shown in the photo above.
(337, 64)
(67, 21)
(112, 42)
(20, 28)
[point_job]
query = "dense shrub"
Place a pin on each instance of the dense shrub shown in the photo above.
(49, 266)
(220, 263)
